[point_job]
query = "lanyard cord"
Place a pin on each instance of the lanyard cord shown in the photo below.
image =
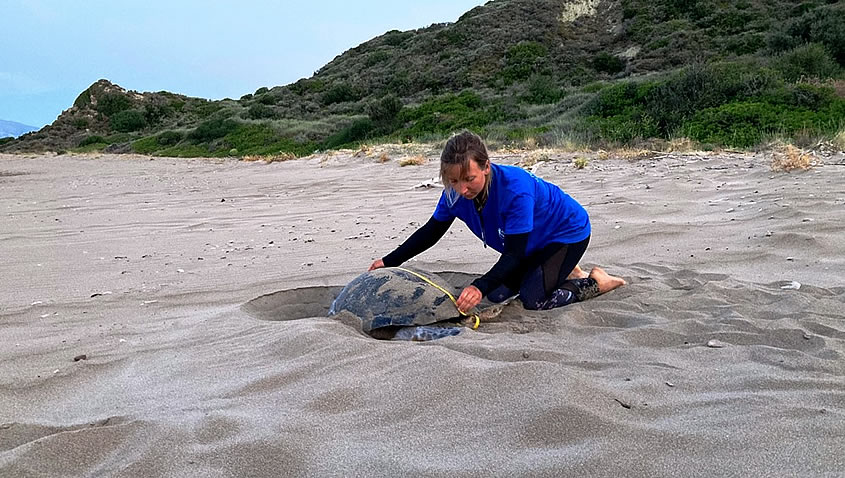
(441, 289)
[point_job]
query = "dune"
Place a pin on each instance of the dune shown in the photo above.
(167, 317)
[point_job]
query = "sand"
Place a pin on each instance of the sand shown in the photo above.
(166, 317)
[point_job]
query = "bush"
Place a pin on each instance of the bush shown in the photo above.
(376, 57)
(93, 139)
(81, 123)
(744, 124)
(262, 139)
(823, 25)
(340, 93)
(83, 100)
(266, 99)
(186, 151)
(396, 38)
(128, 120)
(146, 145)
(169, 138)
(523, 60)
(247, 137)
(383, 112)
(607, 63)
(154, 112)
(449, 113)
(260, 111)
(810, 61)
(112, 103)
(6, 140)
(542, 90)
(212, 129)
(357, 131)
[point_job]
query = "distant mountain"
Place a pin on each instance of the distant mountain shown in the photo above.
(11, 128)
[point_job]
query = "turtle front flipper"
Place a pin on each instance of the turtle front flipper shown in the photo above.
(424, 333)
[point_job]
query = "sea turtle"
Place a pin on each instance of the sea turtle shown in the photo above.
(402, 304)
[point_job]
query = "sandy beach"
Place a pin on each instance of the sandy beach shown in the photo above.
(167, 317)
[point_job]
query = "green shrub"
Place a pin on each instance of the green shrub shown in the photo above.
(169, 138)
(93, 139)
(260, 111)
(304, 86)
(83, 100)
(673, 100)
(810, 97)
(396, 38)
(824, 25)
(177, 105)
(607, 63)
(81, 123)
(118, 138)
(357, 131)
(542, 90)
(128, 120)
(146, 145)
(811, 61)
(383, 112)
(735, 124)
(745, 124)
(112, 103)
(205, 108)
(340, 93)
(376, 57)
(247, 137)
(262, 139)
(90, 148)
(186, 151)
(261, 91)
(523, 60)
(619, 99)
(267, 99)
(449, 113)
(155, 112)
(212, 129)
(6, 140)
(624, 128)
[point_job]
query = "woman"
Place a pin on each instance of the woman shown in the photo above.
(540, 231)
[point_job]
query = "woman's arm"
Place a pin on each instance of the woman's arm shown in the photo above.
(507, 265)
(420, 240)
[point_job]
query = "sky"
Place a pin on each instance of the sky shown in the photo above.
(52, 50)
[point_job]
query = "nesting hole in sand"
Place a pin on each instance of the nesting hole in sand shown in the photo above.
(305, 302)
(293, 304)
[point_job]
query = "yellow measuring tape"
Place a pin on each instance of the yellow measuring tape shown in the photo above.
(441, 289)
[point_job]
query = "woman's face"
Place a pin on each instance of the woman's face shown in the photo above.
(471, 183)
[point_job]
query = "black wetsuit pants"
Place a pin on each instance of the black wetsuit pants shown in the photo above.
(542, 283)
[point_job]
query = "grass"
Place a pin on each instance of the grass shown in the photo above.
(270, 158)
(89, 148)
(786, 157)
(418, 160)
(839, 140)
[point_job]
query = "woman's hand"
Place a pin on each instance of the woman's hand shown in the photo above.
(377, 264)
(469, 298)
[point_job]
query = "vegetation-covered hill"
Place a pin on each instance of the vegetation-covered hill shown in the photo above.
(546, 71)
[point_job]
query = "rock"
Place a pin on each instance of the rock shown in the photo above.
(80, 357)
(716, 344)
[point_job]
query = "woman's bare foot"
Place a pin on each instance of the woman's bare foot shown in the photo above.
(605, 281)
(577, 273)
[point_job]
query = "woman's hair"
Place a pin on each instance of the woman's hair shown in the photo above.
(459, 150)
